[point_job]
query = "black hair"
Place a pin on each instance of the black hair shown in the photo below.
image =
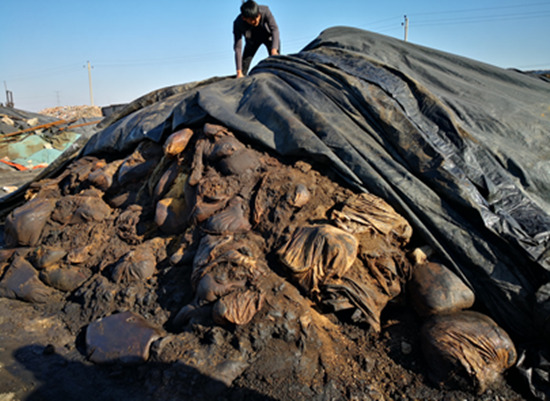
(249, 9)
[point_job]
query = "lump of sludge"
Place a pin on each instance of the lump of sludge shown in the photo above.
(225, 146)
(25, 224)
(212, 195)
(212, 287)
(223, 266)
(124, 337)
(81, 254)
(226, 253)
(21, 282)
(138, 264)
(241, 162)
(314, 254)
(170, 215)
(139, 164)
(237, 307)
(361, 289)
(103, 177)
(202, 210)
(177, 142)
(300, 196)
(231, 220)
(434, 289)
(76, 209)
(166, 180)
(215, 130)
(210, 247)
(45, 256)
(129, 226)
(65, 279)
(366, 212)
(466, 348)
(233, 303)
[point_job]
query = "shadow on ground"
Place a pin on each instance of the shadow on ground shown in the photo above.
(57, 378)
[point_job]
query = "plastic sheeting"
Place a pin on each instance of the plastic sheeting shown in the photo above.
(49, 149)
(460, 148)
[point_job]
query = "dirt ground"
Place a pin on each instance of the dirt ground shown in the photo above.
(41, 360)
(191, 241)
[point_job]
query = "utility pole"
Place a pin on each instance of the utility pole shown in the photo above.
(90, 82)
(9, 96)
(406, 25)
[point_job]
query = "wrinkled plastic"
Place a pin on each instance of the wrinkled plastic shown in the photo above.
(460, 148)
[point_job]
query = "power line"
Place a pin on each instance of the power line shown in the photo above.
(521, 6)
(477, 19)
(493, 15)
(373, 24)
(380, 25)
(542, 66)
(416, 21)
(44, 73)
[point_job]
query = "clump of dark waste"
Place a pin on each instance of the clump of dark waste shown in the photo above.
(206, 253)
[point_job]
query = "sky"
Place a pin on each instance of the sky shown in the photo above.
(135, 47)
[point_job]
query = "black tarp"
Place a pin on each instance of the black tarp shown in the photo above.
(459, 147)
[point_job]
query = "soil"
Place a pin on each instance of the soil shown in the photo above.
(284, 343)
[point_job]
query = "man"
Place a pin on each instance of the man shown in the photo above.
(258, 26)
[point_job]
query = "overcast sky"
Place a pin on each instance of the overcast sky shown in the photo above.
(140, 46)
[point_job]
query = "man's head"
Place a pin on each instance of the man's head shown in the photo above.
(250, 13)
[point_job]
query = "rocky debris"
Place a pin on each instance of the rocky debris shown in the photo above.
(72, 112)
(231, 262)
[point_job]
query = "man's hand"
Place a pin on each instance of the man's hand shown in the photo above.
(240, 74)
(274, 52)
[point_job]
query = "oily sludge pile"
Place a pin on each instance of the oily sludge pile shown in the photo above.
(207, 253)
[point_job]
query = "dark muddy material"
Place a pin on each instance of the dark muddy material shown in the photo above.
(253, 285)
(466, 164)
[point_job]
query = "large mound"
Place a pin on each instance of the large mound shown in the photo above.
(459, 147)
